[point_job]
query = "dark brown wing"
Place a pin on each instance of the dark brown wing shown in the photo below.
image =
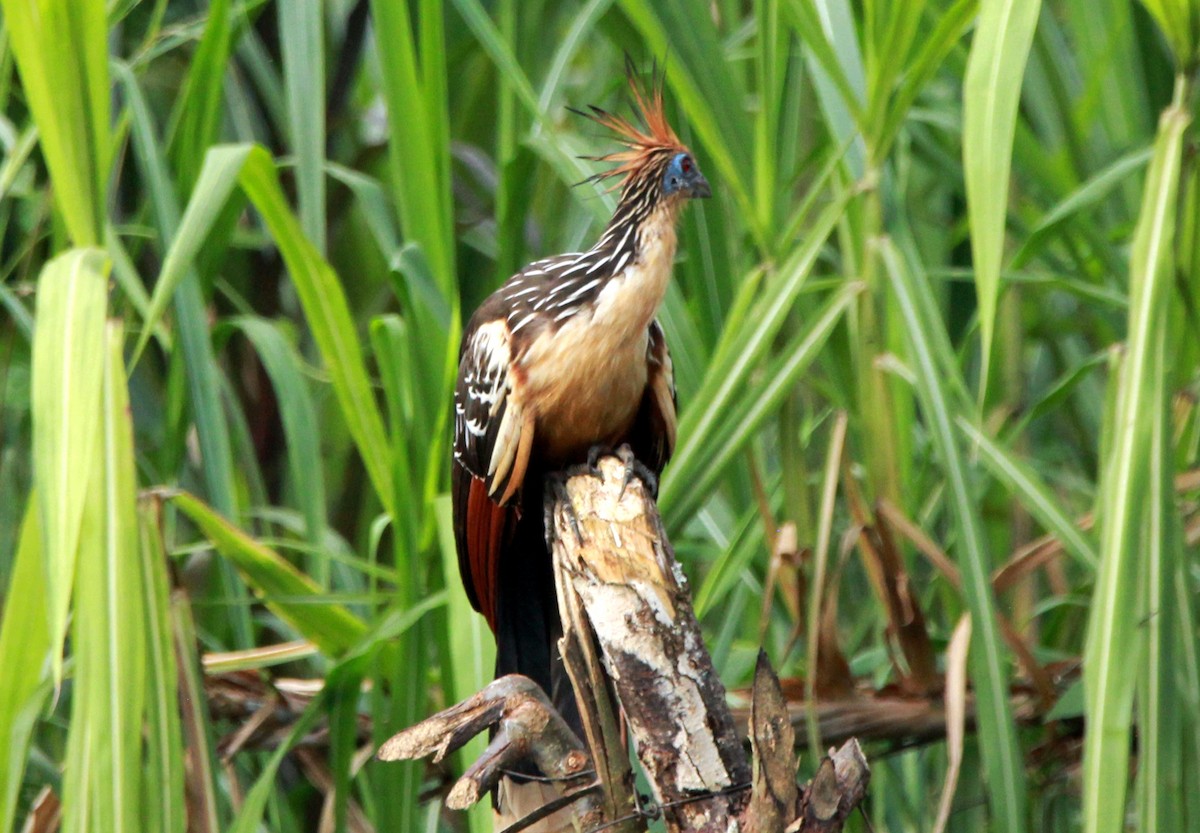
(493, 433)
(653, 434)
(493, 438)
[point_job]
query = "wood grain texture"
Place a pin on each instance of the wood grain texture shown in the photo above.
(608, 540)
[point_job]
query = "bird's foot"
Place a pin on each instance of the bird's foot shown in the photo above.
(556, 494)
(636, 468)
(593, 458)
(633, 467)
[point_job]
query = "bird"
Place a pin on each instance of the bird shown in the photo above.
(565, 358)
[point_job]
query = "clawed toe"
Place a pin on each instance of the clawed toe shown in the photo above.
(556, 493)
(636, 468)
(595, 453)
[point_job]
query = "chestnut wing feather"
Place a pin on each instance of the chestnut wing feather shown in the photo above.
(493, 437)
(482, 528)
(652, 436)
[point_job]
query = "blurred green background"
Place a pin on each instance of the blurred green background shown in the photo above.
(934, 338)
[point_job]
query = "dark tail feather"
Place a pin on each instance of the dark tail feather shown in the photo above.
(527, 621)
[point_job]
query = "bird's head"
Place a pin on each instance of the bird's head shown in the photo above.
(654, 166)
(683, 176)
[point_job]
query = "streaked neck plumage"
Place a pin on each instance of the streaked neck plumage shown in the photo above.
(639, 208)
(640, 243)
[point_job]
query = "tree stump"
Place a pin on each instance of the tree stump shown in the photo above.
(610, 550)
(633, 649)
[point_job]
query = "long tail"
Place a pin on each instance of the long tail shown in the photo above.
(527, 632)
(527, 621)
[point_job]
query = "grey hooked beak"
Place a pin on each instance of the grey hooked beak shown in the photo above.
(698, 187)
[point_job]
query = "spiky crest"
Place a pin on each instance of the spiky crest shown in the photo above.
(649, 145)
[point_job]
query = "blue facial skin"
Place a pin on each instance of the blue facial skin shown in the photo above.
(683, 176)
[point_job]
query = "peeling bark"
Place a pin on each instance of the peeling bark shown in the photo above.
(630, 632)
(774, 796)
(835, 791)
(608, 541)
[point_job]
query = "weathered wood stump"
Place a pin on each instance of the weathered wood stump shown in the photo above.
(633, 649)
(610, 551)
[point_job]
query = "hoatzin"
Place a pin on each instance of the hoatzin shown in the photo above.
(565, 357)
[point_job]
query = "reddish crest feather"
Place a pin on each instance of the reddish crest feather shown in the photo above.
(644, 145)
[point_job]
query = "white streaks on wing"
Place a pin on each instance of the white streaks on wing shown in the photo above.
(528, 317)
(482, 394)
(578, 265)
(579, 293)
(599, 263)
(563, 287)
(504, 446)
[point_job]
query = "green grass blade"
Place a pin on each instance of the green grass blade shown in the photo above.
(68, 353)
(203, 814)
(1180, 24)
(581, 28)
(249, 817)
(15, 159)
(163, 805)
(1026, 484)
(320, 292)
(837, 28)
(347, 671)
(501, 53)
(17, 312)
(804, 18)
(196, 121)
(108, 642)
(1161, 780)
(130, 282)
(300, 426)
(989, 674)
(1114, 639)
(191, 317)
(301, 30)
(214, 185)
(727, 376)
(991, 93)
(706, 90)
(888, 50)
(419, 151)
(744, 544)
(288, 593)
(951, 24)
(1188, 680)
(1086, 196)
(328, 316)
(24, 654)
(62, 54)
(742, 421)
(1111, 112)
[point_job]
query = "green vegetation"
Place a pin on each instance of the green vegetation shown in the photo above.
(945, 301)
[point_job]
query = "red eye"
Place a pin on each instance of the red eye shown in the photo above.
(686, 164)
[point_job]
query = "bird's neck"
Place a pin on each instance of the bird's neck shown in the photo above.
(638, 221)
(634, 292)
(640, 213)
